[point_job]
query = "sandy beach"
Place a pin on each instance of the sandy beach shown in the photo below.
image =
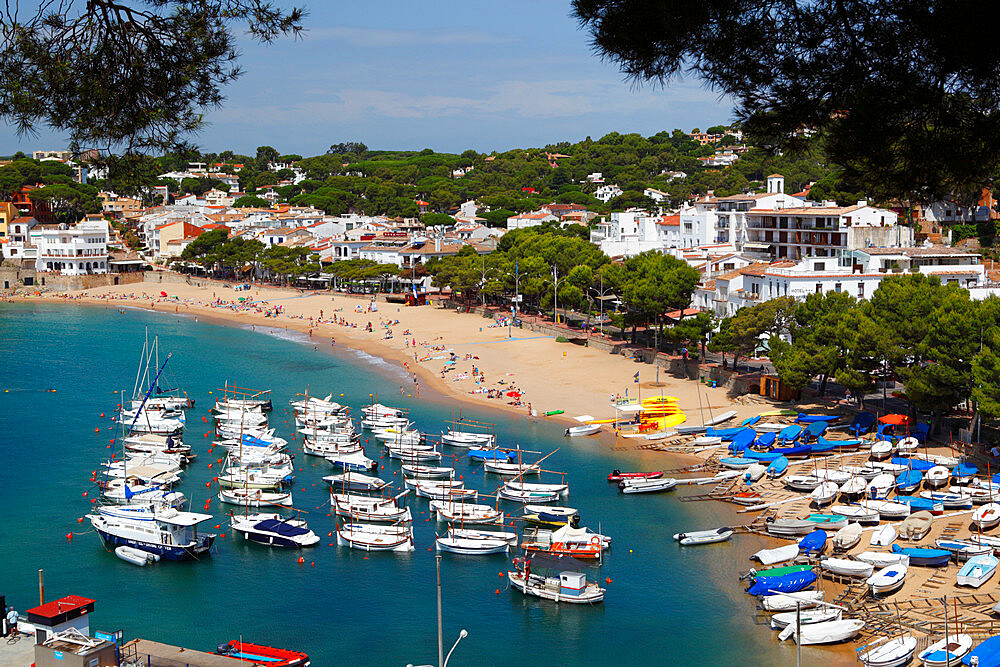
(516, 370)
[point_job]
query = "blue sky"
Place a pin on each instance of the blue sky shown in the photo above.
(441, 75)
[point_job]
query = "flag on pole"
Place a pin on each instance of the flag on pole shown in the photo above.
(636, 377)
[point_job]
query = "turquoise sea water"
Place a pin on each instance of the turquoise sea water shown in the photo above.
(665, 604)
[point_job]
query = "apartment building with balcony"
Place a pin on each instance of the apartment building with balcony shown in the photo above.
(80, 249)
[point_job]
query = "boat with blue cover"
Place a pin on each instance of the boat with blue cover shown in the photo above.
(918, 504)
(963, 473)
(840, 444)
(790, 433)
(813, 543)
(790, 452)
(491, 455)
(821, 447)
(814, 430)
(777, 467)
(274, 530)
(912, 464)
(742, 440)
(765, 457)
(765, 440)
(724, 433)
(736, 462)
(750, 421)
(987, 654)
(787, 583)
(862, 423)
(908, 480)
(923, 556)
(811, 419)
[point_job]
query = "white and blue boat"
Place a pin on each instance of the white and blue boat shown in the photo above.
(777, 467)
(736, 462)
(977, 571)
(924, 557)
(162, 531)
(963, 473)
(908, 480)
(274, 530)
(356, 461)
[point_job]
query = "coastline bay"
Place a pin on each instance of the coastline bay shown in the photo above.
(664, 602)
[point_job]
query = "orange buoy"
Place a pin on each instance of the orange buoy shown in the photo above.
(500, 574)
(208, 484)
(217, 526)
(97, 430)
(80, 520)
(102, 414)
(84, 494)
(209, 465)
(112, 441)
(607, 580)
(215, 479)
(69, 536)
(301, 560)
(497, 591)
(460, 477)
(223, 535)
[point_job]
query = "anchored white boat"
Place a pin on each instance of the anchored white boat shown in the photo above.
(585, 429)
(471, 546)
(368, 509)
(255, 497)
(274, 530)
(360, 536)
(637, 485)
(569, 586)
(808, 617)
(507, 468)
(883, 536)
(165, 532)
(887, 580)
(465, 513)
(411, 471)
(356, 481)
(467, 439)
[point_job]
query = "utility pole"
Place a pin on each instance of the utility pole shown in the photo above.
(437, 560)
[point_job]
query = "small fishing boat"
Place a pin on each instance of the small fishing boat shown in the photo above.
(862, 423)
(962, 551)
(847, 537)
(886, 508)
(866, 472)
(821, 446)
(825, 493)
(704, 536)
(777, 571)
(894, 652)
(937, 477)
(747, 498)
(789, 601)
(963, 473)
(949, 501)
(856, 514)
(977, 571)
(776, 555)
(821, 615)
(569, 586)
(790, 433)
(443, 489)
(908, 481)
(986, 654)
(814, 430)
(946, 652)
(742, 440)
(924, 557)
(356, 481)
(879, 487)
(274, 530)
(466, 439)
(923, 465)
(374, 538)
(777, 467)
(882, 559)
(550, 516)
(414, 454)
(916, 526)
(907, 445)
(736, 462)
(883, 536)
(813, 543)
(882, 450)
(482, 534)
(761, 457)
(647, 485)
(803, 418)
(754, 472)
(523, 496)
(802, 483)
(483, 454)
(854, 487)
(508, 469)
(416, 471)
(617, 475)
(830, 632)
(255, 497)
(135, 556)
(356, 461)
(470, 546)
(765, 440)
(369, 509)
(918, 504)
(800, 451)
(828, 521)
(262, 655)
(789, 527)
(848, 568)
(585, 429)
(987, 516)
(466, 513)
(887, 580)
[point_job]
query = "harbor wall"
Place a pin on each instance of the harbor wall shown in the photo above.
(16, 278)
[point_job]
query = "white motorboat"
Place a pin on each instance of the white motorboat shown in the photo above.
(704, 536)
(829, 632)
(483, 534)
(639, 485)
(274, 530)
(521, 496)
(584, 429)
(848, 536)
(777, 555)
(356, 481)
(412, 471)
(946, 652)
(883, 536)
(848, 568)
(465, 513)
(887, 580)
(359, 536)
(894, 652)
(369, 509)
(166, 532)
(789, 601)
(255, 497)
(808, 617)
(330, 448)
(470, 546)
(987, 516)
(561, 489)
(977, 571)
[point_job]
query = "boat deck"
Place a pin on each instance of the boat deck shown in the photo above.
(148, 653)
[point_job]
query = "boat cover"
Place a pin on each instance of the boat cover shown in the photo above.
(913, 464)
(724, 433)
(965, 470)
(814, 541)
(790, 432)
(862, 423)
(816, 429)
(280, 527)
(742, 439)
(793, 451)
(811, 419)
(766, 439)
(787, 583)
(988, 653)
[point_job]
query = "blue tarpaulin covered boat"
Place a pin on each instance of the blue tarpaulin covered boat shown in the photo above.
(913, 464)
(862, 423)
(813, 542)
(987, 653)
(924, 557)
(790, 432)
(742, 440)
(787, 583)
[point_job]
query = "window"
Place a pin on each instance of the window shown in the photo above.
(820, 266)
(837, 287)
(819, 287)
(861, 290)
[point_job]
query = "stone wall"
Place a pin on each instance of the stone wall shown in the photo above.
(12, 278)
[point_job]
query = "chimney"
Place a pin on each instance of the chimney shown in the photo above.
(862, 202)
(775, 184)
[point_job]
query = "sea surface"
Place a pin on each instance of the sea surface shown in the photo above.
(665, 604)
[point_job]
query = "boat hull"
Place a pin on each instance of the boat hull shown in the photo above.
(177, 553)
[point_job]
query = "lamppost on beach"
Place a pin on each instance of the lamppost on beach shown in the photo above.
(601, 295)
(555, 293)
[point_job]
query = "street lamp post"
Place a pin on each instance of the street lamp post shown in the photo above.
(555, 293)
(461, 635)
(601, 294)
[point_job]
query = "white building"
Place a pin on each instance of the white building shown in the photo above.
(655, 195)
(75, 250)
(534, 219)
(607, 192)
(17, 245)
(635, 231)
(718, 220)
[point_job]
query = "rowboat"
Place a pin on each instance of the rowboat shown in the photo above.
(813, 542)
(883, 536)
(777, 555)
(442, 490)
(828, 521)
(647, 485)
(847, 537)
(356, 481)
(704, 536)
(977, 570)
(255, 497)
(786, 618)
(886, 509)
(856, 514)
(950, 501)
(907, 445)
(987, 516)
(482, 534)
(880, 485)
(915, 526)
(937, 476)
(789, 527)
(414, 454)
(787, 601)
(585, 429)
(777, 467)
(465, 513)
(368, 509)
(825, 493)
(360, 536)
(854, 487)
(895, 652)
(986, 653)
(887, 580)
(470, 546)
(466, 439)
(135, 556)
(783, 583)
(804, 483)
(882, 450)
(523, 496)
(559, 488)
(962, 551)
(963, 473)
(736, 462)
(882, 559)
(416, 471)
(830, 632)
(946, 652)
(508, 469)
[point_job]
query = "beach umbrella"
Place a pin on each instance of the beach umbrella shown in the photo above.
(163, 293)
(896, 420)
